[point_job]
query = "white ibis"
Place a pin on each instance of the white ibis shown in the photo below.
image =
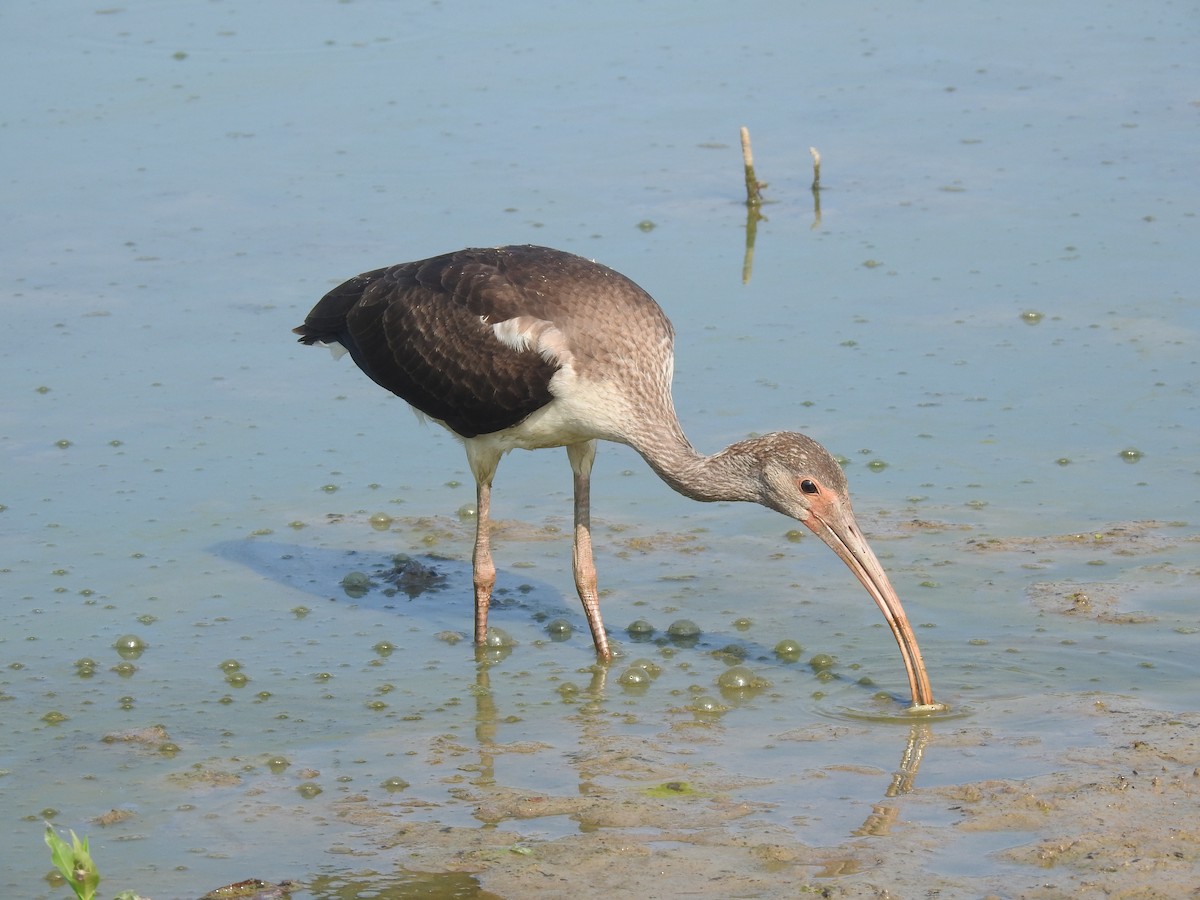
(528, 347)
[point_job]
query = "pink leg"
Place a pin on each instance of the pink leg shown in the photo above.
(484, 568)
(582, 457)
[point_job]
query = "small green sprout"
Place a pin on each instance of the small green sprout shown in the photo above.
(74, 862)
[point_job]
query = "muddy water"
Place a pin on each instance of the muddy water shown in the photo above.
(989, 311)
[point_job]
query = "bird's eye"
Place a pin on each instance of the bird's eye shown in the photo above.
(809, 486)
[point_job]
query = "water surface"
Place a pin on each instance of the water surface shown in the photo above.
(991, 315)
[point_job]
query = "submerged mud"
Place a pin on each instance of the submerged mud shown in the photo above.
(1114, 820)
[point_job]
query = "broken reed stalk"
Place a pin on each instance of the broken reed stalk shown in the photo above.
(753, 185)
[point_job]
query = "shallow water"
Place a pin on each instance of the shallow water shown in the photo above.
(992, 304)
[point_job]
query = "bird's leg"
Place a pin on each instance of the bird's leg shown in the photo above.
(582, 456)
(484, 568)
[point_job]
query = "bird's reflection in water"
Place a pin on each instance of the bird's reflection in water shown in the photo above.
(486, 716)
(590, 722)
(883, 814)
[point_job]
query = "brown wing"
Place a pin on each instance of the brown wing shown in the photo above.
(418, 330)
(423, 330)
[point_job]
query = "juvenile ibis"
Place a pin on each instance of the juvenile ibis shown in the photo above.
(527, 347)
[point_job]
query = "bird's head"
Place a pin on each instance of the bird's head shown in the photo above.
(801, 479)
(798, 477)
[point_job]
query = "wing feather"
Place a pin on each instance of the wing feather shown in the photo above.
(475, 338)
(419, 330)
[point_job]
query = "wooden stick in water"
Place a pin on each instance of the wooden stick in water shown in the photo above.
(753, 185)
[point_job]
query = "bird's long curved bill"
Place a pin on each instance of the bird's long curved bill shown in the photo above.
(834, 524)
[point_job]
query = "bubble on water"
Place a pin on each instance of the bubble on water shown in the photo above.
(498, 637)
(635, 676)
(789, 650)
(740, 678)
(683, 633)
(356, 584)
(639, 630)
(735, 677)
(559, 628)
(649, 666)
(129, 646)
(394, 785)
(821, 661)
(707, 705)
(568, 691)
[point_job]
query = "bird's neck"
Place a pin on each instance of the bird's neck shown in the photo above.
(727, 475)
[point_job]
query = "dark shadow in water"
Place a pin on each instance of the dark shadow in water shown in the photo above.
(438, 590)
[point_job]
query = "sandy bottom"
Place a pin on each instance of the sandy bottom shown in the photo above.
(1116, 822)
(1119, 818)
(1117, 814)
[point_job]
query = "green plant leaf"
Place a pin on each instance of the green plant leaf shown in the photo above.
(60, 853)
(75, 863)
